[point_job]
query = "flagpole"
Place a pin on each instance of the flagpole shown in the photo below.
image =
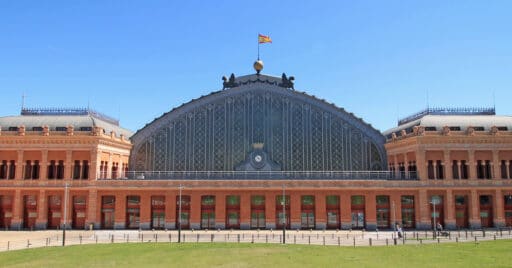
(258, 47)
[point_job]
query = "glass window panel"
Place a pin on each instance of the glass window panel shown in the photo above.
(357, 200)
(332, 200)
(382, 200)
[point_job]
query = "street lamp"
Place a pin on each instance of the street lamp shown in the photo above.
(179, 215)
(394, 216)
(434, 201)
(65, 214)
(283, 203)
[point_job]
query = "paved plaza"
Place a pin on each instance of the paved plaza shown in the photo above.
(16, 240)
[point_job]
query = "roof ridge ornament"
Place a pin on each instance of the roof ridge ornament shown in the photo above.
(286, 82)
(229, 83)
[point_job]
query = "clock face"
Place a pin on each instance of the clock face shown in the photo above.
(258, 158)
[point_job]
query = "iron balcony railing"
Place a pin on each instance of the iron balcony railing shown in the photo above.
(263, 175)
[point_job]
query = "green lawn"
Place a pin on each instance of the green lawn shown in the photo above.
(483, 254)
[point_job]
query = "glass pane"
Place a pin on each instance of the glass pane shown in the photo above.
(332, 200)
(382, 200)
(257, 200)
(357, 200)
(408, 199)
(233, 200)
(308, 200)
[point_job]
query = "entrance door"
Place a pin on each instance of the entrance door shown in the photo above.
(357, 219)
(107, 219)
(486, 211)
(207, 219)
(332, 219)
(258, 219)
(307, 219)
(461, 211)
(158, 219)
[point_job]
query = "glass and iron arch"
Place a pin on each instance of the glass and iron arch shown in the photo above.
(294, 132)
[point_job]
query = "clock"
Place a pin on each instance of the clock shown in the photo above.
(258, 158)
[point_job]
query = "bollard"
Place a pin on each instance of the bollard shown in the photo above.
(449, 235)
(142, 238)
(456, 239)
(483, 232)
(252, 238)
(387, 242)
(324, 240)
(354, 241)
(501, 233)
(80, 237)
(28, 243)
(370, 241)
(266, 238)
(197, 238)
(238, 238)
(127, 239)
(170, 238)
(112, 239)
(156, 238)
(421, 241)
(494, 237)
(475, 239)
(212, 237)
(184, 237)
(339, 242)
(466, 234)
(394, 241)
(309, 240)
(96, 239)
(294, 239)
(8, 245)
(438, 240)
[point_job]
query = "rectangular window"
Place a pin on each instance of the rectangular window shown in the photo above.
(76, 170)
(158, 200)
(208, 200)
(357, 200)
(382, 200)
(257, 200)
(133, 200)
(233, 200)
(332, 200)
(60, 170)
(455, 169)
(85, 170)
(308, 200)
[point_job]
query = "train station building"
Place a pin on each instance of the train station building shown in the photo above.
(256, 154)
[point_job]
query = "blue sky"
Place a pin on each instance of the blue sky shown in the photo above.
(135, 60)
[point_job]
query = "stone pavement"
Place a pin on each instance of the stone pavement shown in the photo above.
(15, 240)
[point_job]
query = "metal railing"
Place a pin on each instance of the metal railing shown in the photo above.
(448, 111)
(345, 238)
(262, 175)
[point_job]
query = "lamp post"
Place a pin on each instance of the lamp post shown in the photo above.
(283, 202)
(179, 215)
(394, 216)
(65, 214)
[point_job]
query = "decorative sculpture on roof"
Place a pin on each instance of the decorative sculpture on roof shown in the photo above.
(494, 130)
(471, 131)
(287, 82)
(229, 83)
(446, 130)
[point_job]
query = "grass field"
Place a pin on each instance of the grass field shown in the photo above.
(483, 254)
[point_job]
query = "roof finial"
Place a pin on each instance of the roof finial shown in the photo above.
(258, 66)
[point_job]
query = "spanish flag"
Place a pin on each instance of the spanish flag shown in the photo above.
(264, 39)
